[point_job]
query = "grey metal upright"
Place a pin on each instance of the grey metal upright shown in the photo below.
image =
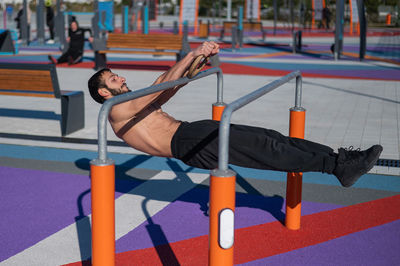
(239, 103)
(40, 21)
(363, 28)
(222, 179)
(234, 37)
(339, 29)
(24, 25)
(95, 20)
(291, 8)
(60, 25)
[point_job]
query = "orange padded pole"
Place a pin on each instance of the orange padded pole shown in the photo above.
(294, 180)
(103, 214)
(222, 198)
(217, 110)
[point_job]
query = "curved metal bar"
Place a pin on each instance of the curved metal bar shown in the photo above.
(223, 145)
(220, 86)
(299, 84)
(106, 108)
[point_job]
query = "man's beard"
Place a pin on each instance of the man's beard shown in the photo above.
(116, 92)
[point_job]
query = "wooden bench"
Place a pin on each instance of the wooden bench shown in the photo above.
(155, 44)
(40, 80)
(247, 26)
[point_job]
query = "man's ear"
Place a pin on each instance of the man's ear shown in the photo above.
(103, 92)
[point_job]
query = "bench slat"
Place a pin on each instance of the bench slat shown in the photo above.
(143, 46)
(32, 94)
(145, 41)
(25, 80)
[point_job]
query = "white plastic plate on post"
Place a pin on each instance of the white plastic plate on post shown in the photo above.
(226, 228)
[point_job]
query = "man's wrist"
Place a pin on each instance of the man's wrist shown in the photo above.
(190, 55)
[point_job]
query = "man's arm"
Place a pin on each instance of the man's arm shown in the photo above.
(134, 107)
(176, 72)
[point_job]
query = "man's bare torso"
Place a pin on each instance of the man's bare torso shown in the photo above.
(150, 131)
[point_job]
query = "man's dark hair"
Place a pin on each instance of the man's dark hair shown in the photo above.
(95, 83)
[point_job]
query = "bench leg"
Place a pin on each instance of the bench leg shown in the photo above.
(72, 112)
(100, 61)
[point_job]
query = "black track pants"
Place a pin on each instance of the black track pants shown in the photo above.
(196, 144)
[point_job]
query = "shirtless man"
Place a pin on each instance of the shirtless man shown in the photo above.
(143, 125)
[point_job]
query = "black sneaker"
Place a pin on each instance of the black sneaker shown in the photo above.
(76, 60)
(352, 164)
(70, 60)
(52, 59)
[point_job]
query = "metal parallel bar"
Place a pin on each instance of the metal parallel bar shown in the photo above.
(220, 86)
(106, 107)
(299, 82)
(237, 104)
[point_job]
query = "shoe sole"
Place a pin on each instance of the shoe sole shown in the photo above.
(373, 162)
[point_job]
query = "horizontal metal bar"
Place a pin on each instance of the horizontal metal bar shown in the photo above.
(107, 105)
(237, 104)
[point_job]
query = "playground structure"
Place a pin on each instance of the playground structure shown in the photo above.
(222, 179)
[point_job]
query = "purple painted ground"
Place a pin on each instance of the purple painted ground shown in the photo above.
(38, 204)
(375, 246)
(183, 218)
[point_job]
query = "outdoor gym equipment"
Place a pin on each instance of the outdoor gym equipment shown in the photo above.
(222, 179)
(103, 171)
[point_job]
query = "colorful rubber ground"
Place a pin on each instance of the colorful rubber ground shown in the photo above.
(161, 204)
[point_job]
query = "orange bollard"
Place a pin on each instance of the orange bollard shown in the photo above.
(294, 180)
(388, 19)
(103, 213)
(217, 110)
(222, 208)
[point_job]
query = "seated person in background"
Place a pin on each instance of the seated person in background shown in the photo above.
(76, 40)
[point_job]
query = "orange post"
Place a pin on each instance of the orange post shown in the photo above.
(388, 19)
(217, 110)
(222, 207)
(103, 214)
(294, 180)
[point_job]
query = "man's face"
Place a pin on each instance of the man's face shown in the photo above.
(115, 84)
